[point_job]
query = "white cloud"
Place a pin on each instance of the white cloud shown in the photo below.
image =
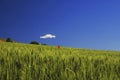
(48, 36)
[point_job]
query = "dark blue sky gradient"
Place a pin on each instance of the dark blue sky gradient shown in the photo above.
(76, 23)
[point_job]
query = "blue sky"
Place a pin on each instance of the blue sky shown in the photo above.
(93, 24)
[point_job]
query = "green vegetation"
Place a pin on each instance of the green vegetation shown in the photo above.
(34, 42)
(39, 62)
(9, 40)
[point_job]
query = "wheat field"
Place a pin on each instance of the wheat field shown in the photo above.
(38, 62)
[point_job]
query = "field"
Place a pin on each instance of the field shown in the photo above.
(38, 62)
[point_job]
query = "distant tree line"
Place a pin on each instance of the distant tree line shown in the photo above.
(37, 43)
(9, 40)
(32, 42)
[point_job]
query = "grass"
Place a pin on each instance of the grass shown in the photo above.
(38, 62)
